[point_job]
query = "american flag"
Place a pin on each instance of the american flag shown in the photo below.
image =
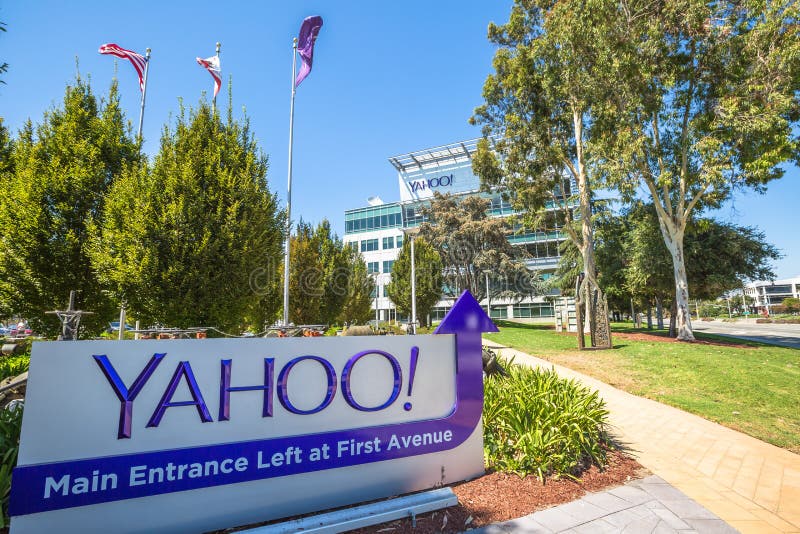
(214, 69)
(137, 60)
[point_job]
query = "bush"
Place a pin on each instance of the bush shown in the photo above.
(538, 423)
(10, 427)
(13, 365)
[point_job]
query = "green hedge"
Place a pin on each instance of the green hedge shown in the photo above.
(537, 423)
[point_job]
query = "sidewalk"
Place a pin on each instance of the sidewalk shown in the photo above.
(751, 485)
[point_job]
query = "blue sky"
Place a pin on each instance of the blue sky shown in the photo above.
(388, 78)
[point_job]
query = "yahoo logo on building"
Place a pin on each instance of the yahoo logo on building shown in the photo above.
(184, 373)
(431, 183)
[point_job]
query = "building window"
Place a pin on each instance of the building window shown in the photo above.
(388, 265)
(388, 242)
(368, 245)
(374, 292)
(385, 293)
(499, 312)
(438, 313)
(372, 267)
(524, 311)
(399, 241)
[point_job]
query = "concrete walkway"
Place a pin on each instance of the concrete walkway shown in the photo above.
(751, 485)
(644, 506)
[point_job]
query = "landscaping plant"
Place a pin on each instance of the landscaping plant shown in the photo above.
(537, 423)
(10, 427)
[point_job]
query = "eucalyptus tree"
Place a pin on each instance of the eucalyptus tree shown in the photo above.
(183, 237)
(537, 114)
(705, 104)
(55, 179)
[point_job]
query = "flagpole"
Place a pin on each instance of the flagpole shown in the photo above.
(144, 94)
(214, 100)
(289, 193)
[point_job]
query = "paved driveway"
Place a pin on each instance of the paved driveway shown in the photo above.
(785, 335)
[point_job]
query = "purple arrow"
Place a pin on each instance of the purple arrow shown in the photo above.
(466, 320)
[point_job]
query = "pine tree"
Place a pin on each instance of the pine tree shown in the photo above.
(195, 239)
(54, 190)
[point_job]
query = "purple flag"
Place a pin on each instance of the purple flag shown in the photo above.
(305, 45)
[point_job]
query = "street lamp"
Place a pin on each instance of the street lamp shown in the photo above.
(411, 233)
(376, 300)
(488, 302)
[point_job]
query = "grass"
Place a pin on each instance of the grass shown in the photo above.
(750, 387)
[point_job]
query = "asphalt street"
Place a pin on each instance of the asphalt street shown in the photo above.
(785, 335)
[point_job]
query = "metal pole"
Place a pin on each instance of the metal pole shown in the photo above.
(413, 290)
(488, 303)
(376, 300)
(122, 319)
(289, 194)
(214, 100)
(144, 94)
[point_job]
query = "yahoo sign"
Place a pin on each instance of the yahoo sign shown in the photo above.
(207, 434)
(431, 183)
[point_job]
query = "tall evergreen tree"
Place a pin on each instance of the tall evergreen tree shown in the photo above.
(427, 274)
(62, 169)
(182, 238)
(357, 306)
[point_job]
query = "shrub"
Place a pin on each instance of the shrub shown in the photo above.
(10, 427)
(13, 365)
(538, 423)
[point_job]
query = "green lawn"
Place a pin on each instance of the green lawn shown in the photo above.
(754, 389)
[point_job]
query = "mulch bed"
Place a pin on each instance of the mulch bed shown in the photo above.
(498, 497)
(663, 338)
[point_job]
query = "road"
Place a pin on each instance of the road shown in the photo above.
(784, 335)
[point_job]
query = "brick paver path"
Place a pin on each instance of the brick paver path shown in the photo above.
(751, 485)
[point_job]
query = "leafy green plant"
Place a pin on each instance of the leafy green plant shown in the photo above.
(10, 427)
(538, 423)
(13, 365)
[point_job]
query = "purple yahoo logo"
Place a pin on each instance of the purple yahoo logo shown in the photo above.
(431, 183)
(183, 373)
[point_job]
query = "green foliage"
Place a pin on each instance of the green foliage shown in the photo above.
(328, 282)
(195, 239)
(537, 423)
(633, 261)
(53, 192)
(14, 365)
(357, 307)
(10, 428)
(791, 304)
(427, 273)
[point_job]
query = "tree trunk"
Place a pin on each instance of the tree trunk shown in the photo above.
(649, 316)
(683, 316)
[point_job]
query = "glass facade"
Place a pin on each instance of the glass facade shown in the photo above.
(373, 218)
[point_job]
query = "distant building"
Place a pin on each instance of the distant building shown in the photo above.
(376, 230)
(766, 294)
